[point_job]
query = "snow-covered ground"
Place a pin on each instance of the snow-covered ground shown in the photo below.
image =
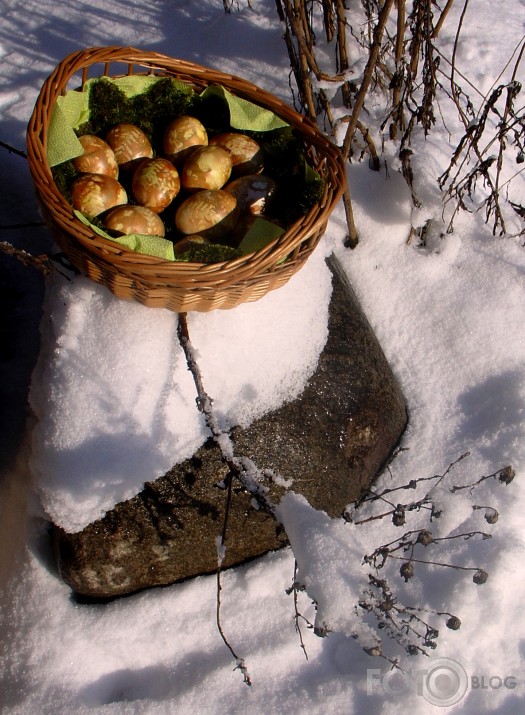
(449, 316)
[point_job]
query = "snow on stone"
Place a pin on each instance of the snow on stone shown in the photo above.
(115, 402)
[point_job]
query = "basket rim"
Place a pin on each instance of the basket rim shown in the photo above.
(160, 64)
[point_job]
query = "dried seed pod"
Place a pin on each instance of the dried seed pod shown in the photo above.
(432, 633)
(480, 577)
(398, 517)
(453, 623)
(436, 512)
(506, 475)
(407, 570)
(430, 644)
(425, 537)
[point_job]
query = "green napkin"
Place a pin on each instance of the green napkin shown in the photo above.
(259, 235)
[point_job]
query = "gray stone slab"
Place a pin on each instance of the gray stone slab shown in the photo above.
(332, 441)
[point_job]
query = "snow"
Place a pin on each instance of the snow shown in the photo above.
(115, 401)
(449, 316)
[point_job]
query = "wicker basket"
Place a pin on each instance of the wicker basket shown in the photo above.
(161, 283)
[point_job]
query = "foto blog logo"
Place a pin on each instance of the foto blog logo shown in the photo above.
(443, 682)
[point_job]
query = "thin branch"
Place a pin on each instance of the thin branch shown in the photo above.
(28, 224)
(241, 664)
(42, 263)
(437, 563)
(297, 614)
(12, 150)
(241, 467)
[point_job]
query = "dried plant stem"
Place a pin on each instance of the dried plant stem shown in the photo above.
(39, 262)
(239, 467)
(511, 89)
(341, 53)
(297, 614)
(240, 662)
(204, 404)
(352, 238)
(399, 51)
(12, 150)
(367, 76)
(499, 219)
(453, 85)
(299, 39)
(442, 17)
(437, 563)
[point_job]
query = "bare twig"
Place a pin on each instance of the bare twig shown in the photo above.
(297, 614)
(42, 263)
(240, 662)
(12, 150)
(505, 476)
(242, 468)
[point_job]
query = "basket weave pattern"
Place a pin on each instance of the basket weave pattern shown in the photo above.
(157, 282)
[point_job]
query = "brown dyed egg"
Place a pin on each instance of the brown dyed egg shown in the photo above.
(252, 192)
(246, 154)
(129, 143)
(98, 157)
(127, 219)
(155, 184)
(181, 137)
(208, 167)
(92, 194)
(212, 213)
(185, 244)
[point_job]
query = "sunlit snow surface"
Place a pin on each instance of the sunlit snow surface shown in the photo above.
(115, 401)
(449, 317)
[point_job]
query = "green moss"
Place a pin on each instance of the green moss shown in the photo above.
(166, 99)
(108, 105)
(64, 176)
(210, 253)
(162, 102)
(299, 187)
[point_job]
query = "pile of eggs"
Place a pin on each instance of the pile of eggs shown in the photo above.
(215, 186)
